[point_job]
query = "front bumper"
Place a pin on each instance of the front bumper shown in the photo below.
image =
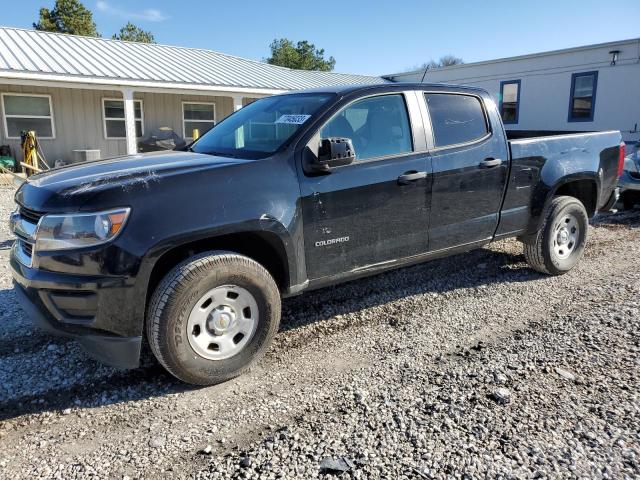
(121, 352)
(84, 308)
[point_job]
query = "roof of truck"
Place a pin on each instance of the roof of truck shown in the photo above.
(345, 89)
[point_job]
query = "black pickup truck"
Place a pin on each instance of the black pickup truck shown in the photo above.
(194, 249)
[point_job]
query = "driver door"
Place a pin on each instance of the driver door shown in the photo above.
(375, 210)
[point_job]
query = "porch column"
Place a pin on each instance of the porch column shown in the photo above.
(237, 102)
(130, 121)
(237, 105)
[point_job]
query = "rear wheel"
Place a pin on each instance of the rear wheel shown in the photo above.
(559, 244)
(212, 317)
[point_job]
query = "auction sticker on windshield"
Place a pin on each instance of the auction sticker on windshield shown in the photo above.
(293, 119)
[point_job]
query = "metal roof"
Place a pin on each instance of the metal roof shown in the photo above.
(53, 55)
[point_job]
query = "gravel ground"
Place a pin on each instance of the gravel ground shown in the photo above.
(471, 366)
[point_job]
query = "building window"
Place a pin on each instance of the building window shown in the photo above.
(197, 115)
(510, 101)
(456, 119)
(114, 122)
(26, 113)
(583, 96)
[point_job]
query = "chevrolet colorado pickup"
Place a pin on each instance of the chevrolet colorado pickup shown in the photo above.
(192, 250)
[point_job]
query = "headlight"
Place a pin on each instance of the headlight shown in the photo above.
(65, 232)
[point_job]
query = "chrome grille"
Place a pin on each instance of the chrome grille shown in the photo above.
(24, 224)
(30, 215)
(27, 248)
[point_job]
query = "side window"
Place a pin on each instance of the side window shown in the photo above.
(28, 112)
(199, 116)
(456, 118)
(377, 126)
(113, 118)
(510, 101)
(583, 96)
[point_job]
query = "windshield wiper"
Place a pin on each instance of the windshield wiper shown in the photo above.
(220, 154)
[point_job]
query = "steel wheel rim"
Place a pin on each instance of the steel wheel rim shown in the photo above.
(566, 234)
(222, 322)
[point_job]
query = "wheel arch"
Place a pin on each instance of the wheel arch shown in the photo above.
(583, 186)
(584, 189)
(265, 247)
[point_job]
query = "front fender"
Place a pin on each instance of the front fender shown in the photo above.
(267, 227)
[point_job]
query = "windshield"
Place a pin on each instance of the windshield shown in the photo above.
(262, 127)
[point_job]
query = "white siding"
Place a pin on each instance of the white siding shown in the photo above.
(546, 85)
(165, 110)
(79, 123)
(77, 115)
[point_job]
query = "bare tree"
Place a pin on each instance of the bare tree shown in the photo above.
(449, 60)
(445, 61)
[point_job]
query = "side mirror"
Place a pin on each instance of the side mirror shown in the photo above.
(335, 152)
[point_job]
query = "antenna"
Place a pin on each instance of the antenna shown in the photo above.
(425, 73)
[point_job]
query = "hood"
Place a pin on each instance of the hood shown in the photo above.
(73, 185)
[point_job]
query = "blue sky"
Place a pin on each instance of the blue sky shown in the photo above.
(366, 37)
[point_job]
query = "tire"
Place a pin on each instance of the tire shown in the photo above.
(630, 200)
(546, 251)
(177, 317)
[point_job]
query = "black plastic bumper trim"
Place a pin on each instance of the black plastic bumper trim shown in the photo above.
(120, 352)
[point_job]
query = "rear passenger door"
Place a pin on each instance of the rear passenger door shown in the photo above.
(470, 163)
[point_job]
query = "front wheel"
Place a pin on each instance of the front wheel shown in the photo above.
(559, 244)
(212, 317)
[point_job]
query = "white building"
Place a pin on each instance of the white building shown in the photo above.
(595, 87)
(85, 93)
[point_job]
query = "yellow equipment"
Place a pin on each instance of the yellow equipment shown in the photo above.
(32, 154)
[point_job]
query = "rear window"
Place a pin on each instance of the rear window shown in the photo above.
(456, 118)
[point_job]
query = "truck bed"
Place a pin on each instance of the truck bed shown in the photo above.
(536, 163)
(520, 134)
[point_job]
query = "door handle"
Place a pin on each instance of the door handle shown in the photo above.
(490, 162)
(411, 176)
